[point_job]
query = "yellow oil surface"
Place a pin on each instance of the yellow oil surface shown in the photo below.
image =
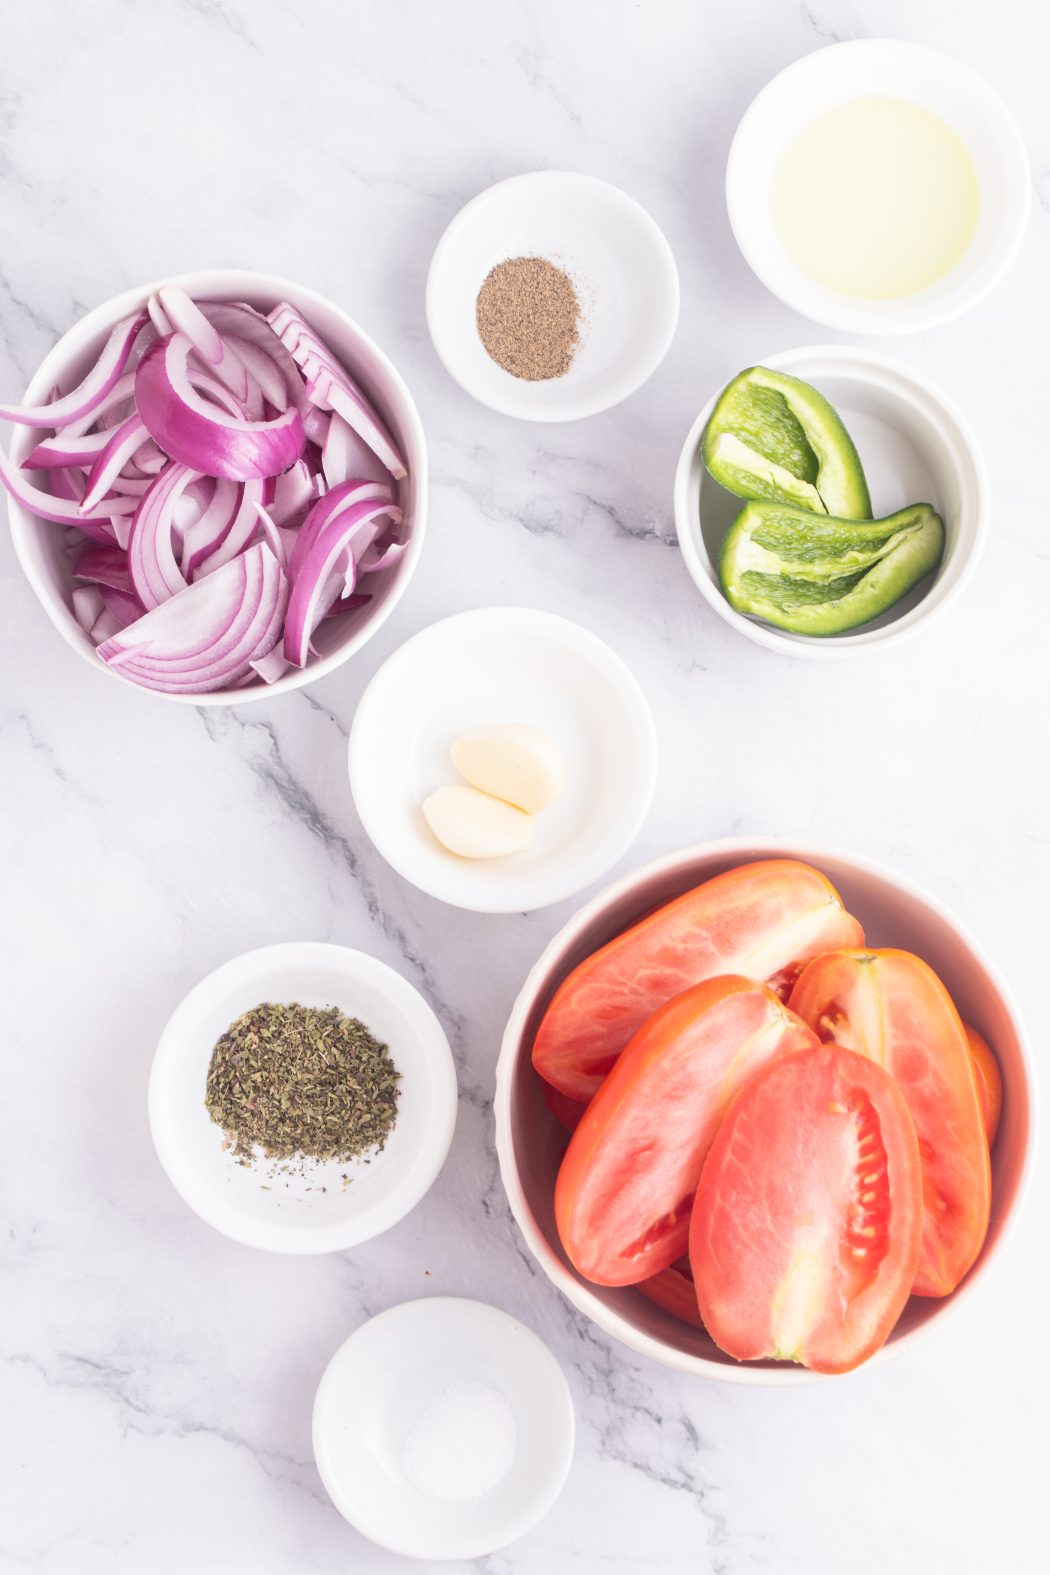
(877, 199)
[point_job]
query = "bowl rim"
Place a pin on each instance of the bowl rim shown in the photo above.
(336, 1236)
(616, 391)
(559, 1462)
(955, 428)
(878, 318)
(582, 1298)
(646, 768)
(231, 281)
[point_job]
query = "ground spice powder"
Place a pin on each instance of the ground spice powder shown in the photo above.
(528, 316)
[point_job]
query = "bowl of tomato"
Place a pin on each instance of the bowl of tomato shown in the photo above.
(765, 1111)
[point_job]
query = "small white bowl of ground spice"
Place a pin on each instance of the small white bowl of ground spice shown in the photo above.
(302, 1098)
(552, 296)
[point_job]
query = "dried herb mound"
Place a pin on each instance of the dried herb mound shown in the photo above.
(301, 1080)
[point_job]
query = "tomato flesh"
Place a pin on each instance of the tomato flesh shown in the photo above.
(625, 1187)
(566, 1112)
(807, 1225)
(989, 1080)
(763, 920)
(673, 1290)
(890, 1006)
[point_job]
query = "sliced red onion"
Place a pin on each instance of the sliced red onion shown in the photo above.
(272, 536)
(88, 394)
(186, 317)
(151, 556)
(272, 666)
(244, 326)
(104, 565)
(316, 423)
(242, 528)
(210, 528)
(130, 486)
(123, 606)
(327, 573)
(197, 434)
(327, 508)
(294, 492)
(155, 527)
(158, 317)
(336, 450)
(376, 558)
(264, 379)
(52, 506)
(150, 459)
(114, 402)
(87, 604)
(60, 450)
(206, 637)
(129, 436)
(105, 626)
(330, 387)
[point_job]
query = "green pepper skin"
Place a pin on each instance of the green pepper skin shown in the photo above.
(812, 574)
(772, 436)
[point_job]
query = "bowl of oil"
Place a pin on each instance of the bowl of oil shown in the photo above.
(878, 187)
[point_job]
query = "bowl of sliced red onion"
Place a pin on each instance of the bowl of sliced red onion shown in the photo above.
(217, 486)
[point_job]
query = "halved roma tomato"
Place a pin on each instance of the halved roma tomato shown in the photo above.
(626, 1183)
(762, 920)
(891, 1006)
(674, 1291)
(989, 1080)
(807, 1225)
(566, 1112)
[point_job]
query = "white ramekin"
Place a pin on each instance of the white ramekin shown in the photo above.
(880, 67)
(916, 447)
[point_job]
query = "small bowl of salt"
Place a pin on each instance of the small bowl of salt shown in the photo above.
(443, 1429)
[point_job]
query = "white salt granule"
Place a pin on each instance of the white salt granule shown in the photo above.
(462, 1443)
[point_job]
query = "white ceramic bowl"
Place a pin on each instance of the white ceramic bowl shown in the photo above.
(881, 67)
(616, 255)
(894, 912)
(289, 1213)
(373, 1392)
(39, 545)
(504, 664)
(916, 447)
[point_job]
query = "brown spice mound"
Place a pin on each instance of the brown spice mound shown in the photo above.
(528, 317)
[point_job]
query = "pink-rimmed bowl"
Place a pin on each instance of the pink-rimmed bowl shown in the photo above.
(39, 545)
(895, 912)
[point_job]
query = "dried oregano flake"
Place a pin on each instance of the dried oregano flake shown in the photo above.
(302, 1081)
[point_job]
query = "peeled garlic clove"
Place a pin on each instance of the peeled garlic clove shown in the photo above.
(475, 825)
(513, 762)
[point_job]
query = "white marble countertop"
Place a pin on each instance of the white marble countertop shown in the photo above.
(156, 1380)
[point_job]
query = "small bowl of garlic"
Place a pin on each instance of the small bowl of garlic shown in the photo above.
(503, 759)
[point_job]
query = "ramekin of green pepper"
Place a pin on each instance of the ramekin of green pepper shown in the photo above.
(829, 500)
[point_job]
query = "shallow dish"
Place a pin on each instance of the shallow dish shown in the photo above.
(39, 545)
(259, 1205)
(894, 912)
(377, 1384)
(493, 665)
(880, 67)
(617, 257)
(916, 447)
